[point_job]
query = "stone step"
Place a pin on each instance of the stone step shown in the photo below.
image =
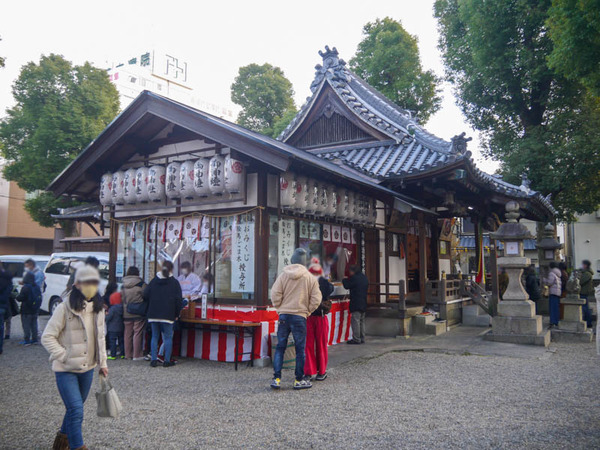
(475, 316)
(436, 328)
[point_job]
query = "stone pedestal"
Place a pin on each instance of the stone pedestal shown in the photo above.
(572, 328)
(516, 321)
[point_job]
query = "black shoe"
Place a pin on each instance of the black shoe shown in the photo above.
(353, 342)
(168, 364)
(320, 377)
(154, 363)
(7, 337)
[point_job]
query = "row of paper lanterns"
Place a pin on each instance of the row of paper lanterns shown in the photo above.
(309, 196)
(203, 177)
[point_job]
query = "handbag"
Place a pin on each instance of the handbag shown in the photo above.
(14, 306)
(138, 308)
(109, 404)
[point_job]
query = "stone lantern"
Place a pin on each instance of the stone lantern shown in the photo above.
(572, 327)
(516, 321)
(549, 248)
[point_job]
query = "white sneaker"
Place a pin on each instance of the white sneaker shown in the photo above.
(141, 358)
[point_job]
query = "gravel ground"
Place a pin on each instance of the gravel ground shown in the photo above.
(405, 399)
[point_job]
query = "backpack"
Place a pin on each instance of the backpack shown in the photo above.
(35, 296)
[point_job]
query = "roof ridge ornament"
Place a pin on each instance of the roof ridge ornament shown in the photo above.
(333, 66)
(459, 143)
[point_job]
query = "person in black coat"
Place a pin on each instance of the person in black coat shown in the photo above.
(532, 284)
(31, 300)
(6, 287)
(358, 285)
(165, 302)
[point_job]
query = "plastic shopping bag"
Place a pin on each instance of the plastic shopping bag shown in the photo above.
(109, 404)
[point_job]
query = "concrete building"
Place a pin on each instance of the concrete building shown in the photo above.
(18, 233)
(163, 74)
(583, 241)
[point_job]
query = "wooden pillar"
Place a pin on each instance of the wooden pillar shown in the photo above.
(261, 262)
(494, 274)
(113, 243)
(422, 257)
(478, 240)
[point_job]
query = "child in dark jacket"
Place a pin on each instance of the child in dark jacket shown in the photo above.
(115, 327)
(31, 300)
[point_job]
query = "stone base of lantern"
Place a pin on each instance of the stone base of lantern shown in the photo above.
(572, 328)
(517, 323)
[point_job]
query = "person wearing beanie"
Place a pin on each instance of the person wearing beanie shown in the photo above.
(115, 328)
(317, 328)
(358, 285)
(74, 337)
(295, 295)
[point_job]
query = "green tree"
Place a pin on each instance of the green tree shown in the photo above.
(532, 120)
(59, 109)
(2, 60)
(265, 95)
(388, 59)
(574, 27)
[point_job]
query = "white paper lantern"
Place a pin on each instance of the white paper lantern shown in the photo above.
(343, 205)
(287, 190)
(216, 175)
(141, 184)
(323, 200)
(117, 188)
(313, 196)
(156, 183)
(201, 186)
(301, 194)
(234, 175)
(372, 219)
(351, 207)
(363, 210)
(105, 193)
(333, 197)
(129, 186)
(186, 179)
(173, 183)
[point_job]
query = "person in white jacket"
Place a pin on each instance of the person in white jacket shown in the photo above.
(74, 337)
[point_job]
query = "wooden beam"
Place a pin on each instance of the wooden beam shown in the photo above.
(422, 257)
(261, 261)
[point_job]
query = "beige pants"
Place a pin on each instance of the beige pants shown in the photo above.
(134, 338)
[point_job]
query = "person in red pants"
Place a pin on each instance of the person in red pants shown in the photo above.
(317, 329)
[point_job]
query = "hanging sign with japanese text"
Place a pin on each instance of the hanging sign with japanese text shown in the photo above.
(242, 254)
(287, 239)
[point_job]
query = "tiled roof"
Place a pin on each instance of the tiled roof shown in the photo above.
(410, 150)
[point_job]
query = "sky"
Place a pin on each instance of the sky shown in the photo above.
(216, 38)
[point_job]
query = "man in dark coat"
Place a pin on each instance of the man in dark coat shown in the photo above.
(6, 287)
(532, 284)
(357, 284)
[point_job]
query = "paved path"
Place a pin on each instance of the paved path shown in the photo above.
(400, 399)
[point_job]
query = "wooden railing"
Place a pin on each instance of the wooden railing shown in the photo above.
(442, 291)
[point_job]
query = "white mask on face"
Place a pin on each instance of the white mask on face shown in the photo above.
(185, 271)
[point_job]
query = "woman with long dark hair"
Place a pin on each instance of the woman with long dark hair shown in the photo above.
(74, 337)
(165, 301)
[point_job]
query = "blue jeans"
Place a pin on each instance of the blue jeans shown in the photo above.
(585, 311)
(166, 329)
(3, 313)
(297, 326)
(115, 342)
(30, 327)
(554, 304)
(74, 389)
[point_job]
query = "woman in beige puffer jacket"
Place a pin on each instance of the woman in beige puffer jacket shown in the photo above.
(74, 337)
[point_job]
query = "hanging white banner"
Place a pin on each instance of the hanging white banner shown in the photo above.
(287, 239)
(242, 254)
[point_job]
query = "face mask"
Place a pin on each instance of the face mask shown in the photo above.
(89, 291)
(185, 271)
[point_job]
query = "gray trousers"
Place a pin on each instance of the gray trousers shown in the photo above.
(358, 326)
